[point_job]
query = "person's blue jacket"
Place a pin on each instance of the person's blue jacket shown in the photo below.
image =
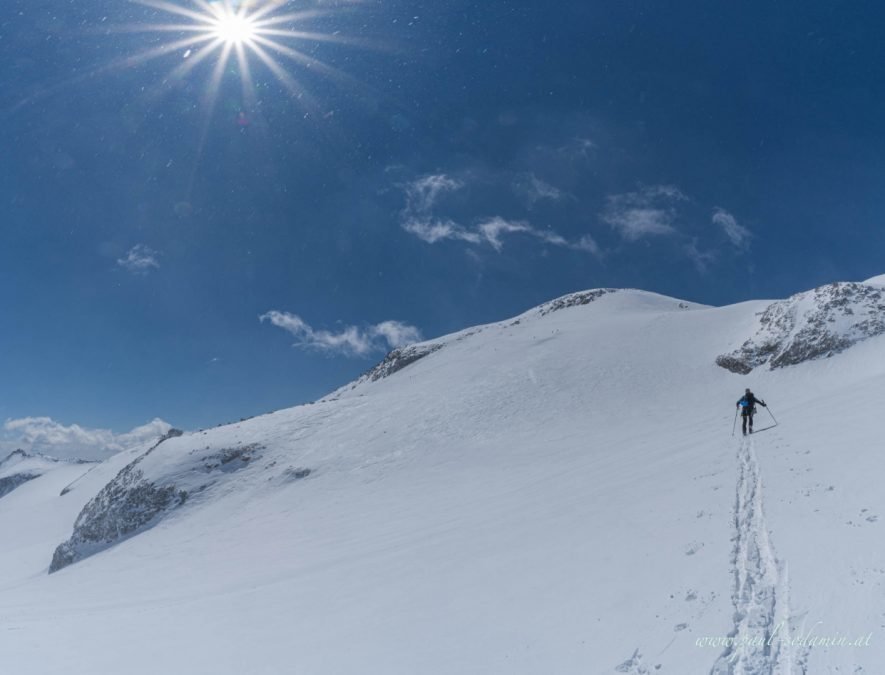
(748, 402)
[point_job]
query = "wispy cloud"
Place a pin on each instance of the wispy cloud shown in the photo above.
(650, 211)
(588, 244)
(738, 234)
(578, 147)
(350, 341)
(419, 218)
(45, 435)
(396, 333)
(701, 259)
(533, 190)
(423, 193)
(432, 231)
(141, 259)
(491, 231)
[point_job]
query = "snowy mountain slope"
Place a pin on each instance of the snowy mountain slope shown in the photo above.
(556, 493)
(398, 359)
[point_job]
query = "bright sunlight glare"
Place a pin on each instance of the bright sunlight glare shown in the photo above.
(232, 36)
(233, 28)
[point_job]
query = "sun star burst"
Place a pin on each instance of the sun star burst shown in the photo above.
(269, 34)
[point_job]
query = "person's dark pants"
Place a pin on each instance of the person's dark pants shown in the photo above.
(747, 416)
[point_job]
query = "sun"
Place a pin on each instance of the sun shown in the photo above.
(271, 35)
(233, 28)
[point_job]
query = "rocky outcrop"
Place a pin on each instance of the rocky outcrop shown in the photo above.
(399, 359)
(811, 325)
(394, 362)
(574, 300)
(9, 483)
(126, 505)
(138, 497)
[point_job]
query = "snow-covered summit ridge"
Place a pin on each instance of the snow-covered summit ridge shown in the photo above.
(631, 298)
(401, 357)
(811, 325)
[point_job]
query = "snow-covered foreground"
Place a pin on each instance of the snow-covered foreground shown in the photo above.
(556, 494)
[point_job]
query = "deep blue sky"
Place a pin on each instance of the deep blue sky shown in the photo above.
(542, 149)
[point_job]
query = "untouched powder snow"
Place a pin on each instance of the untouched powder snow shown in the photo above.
(558, 493)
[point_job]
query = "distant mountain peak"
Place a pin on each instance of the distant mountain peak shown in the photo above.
(14, 457)
(19, 467)
(15, 453)
(811, 325)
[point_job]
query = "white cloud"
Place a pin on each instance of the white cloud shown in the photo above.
(396, 333)
(419, 219)
(738, 234)
(140, 260)
(351, 341)
(46, 436)
(648, 211)
(491, 230)
(432, 231)
(423, 193)
(654, 210)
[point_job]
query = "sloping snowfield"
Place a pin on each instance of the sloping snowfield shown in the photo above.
(556, 494)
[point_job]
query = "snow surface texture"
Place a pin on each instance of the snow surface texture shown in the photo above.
(557, 493)
(811, 325)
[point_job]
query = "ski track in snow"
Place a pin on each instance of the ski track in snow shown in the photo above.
(761, 587)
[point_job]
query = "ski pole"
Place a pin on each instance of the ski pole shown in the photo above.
(734, 426)
(771, 413)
